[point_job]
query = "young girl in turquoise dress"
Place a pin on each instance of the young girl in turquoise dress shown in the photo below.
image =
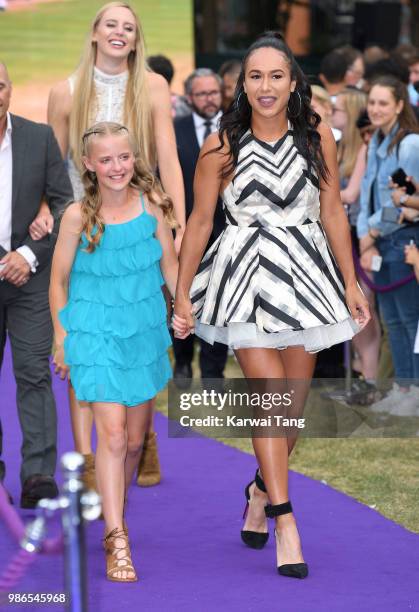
(114, 251)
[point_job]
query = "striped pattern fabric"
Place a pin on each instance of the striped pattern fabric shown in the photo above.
(272, 267)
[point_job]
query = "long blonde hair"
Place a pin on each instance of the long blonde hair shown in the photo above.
(355, 101)
(143, 180)
(137, 104)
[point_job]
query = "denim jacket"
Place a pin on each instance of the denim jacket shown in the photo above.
(380, 166)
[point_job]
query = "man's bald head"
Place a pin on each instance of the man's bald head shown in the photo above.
(4, 73)
(5, 91)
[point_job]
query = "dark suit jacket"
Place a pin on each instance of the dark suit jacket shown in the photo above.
(38, 173)
(188, 151)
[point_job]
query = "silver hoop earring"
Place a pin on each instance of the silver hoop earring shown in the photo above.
(300, 105)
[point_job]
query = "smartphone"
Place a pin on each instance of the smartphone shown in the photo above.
(390, 214)
(376, 261)
(399, 177)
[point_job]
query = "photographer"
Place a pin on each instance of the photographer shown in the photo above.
(394, 147)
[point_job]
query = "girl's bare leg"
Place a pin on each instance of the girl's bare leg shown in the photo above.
(111, 452)
(81, 424)
(138, 421)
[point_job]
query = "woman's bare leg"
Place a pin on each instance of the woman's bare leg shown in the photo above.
(81, 424)
(299, 365)
(367, 343)
(150, 425)
(272, 453)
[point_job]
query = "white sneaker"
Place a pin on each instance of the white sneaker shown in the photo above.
(414, 400)
(394, 402)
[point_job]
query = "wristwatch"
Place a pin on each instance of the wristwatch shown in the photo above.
(403, 199)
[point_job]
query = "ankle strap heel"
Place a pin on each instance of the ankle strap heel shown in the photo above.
(254, 539)
(290, 570)
(259, 482)
(278, 510)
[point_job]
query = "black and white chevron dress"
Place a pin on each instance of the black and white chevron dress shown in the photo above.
(270, 279)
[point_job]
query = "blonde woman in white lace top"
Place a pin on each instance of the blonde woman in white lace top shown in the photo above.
(112, 83)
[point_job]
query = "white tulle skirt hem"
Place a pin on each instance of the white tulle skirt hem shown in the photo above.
(247, 335)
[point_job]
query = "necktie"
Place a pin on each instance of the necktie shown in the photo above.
(208, 125)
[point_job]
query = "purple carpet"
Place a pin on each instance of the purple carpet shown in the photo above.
(187, 548)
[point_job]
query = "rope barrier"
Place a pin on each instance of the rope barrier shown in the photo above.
(373, 286)
(24, 557)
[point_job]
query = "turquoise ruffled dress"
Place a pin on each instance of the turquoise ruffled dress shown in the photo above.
(116, 318)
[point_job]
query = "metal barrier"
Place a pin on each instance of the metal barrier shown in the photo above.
(75, 506)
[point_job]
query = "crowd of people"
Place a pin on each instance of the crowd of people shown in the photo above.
(281, 198)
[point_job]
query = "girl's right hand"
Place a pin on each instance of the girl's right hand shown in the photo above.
(58, 360)
(183, 322)
(41, 226)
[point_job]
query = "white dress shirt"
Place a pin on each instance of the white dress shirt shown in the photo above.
(6, 174)
(200, 126)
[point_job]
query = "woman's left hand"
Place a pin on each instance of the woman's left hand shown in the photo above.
(41, 226)
(358, 305)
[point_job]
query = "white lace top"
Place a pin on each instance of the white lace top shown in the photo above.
(108, 106)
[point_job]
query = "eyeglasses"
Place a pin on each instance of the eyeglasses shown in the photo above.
(206, 94)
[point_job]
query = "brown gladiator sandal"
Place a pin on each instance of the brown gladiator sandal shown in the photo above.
(118, 558)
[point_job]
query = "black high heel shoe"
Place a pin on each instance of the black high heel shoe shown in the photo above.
(254, 539)
(291, 570)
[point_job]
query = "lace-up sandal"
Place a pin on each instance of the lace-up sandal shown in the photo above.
(119, 567)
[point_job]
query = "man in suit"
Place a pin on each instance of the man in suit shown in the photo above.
(31, 169)
(203, 91)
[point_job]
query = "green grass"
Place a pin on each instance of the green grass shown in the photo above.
(45, 43)
(381, 473)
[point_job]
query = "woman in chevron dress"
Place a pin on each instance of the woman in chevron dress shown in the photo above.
(280, 276)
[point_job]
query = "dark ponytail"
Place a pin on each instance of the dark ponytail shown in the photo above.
(236, 120)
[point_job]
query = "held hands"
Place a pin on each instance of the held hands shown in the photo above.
(15, 269)
(358, 305)
(183, 322)
(58, 360)
(42, 225)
